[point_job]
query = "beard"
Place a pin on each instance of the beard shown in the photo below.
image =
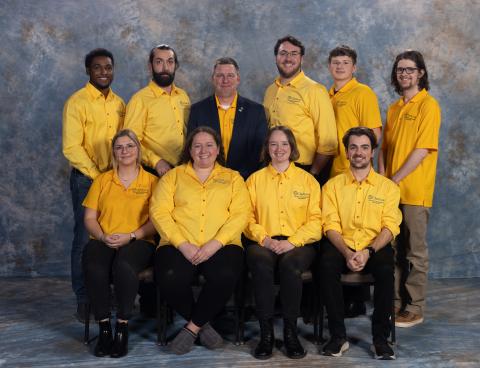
(284, 74)
(163, 79)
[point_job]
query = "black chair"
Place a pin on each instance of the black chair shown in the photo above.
(144, 276)
(359, 279)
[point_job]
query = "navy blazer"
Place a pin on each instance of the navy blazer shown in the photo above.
(249, 131)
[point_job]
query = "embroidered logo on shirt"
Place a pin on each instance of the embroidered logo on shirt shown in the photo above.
(139, 191)
(220, 181)
(301, 195)
(409, 117)
(375, 200)
(184, 103)
(341, 103)
(294, 100)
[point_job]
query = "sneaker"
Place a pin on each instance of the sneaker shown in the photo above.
(336, 347)
(383, 351)
(407, 319)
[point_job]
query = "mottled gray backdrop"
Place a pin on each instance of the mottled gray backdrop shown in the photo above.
(41, 64)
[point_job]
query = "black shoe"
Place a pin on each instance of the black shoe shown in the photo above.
(120, 343)
(293, 348)
(336, 347)
(105, 340)
(383, 351)
(355, 308)
(264, 349)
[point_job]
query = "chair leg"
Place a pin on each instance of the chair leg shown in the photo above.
(392, 328)
(86, 333)
(162, 316)
(240, 311)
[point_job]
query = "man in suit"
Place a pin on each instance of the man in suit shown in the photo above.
(240, 122)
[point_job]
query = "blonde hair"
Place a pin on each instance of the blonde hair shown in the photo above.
(130, 134)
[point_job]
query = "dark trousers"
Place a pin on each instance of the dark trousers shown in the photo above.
(288, 267)
(175, 276)
(332, 264)
(103, 265)
(79, 186)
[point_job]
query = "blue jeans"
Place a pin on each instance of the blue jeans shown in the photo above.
(79, 186)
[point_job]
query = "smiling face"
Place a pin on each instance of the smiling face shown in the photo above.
(279, 148)
(289, 60)
(101, 72)
(359, 152)
(341, 68)
(125, 151)
(408, 81)
(225, 80)
(204, 150)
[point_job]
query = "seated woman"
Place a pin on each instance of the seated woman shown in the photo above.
(200, 209)
(285, 224)
(121, 245)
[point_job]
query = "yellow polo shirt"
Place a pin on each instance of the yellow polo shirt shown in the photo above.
(159, 120)
(355, 104)
(226, 118)
(121, 210)
(89, 123)
(409, 126)
(285, 204)
(359, 211)
(304, 106)
(184, 209)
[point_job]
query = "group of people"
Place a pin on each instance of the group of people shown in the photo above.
(283, 174)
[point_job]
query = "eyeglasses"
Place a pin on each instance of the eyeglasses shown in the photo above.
(225, 76)
(408, 70)
(285, 53)
(128, 147)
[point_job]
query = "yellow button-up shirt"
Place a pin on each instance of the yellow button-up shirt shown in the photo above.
(355, 104)
(183, 209)
(121, 210)
(359, 211)
(415, 124)
(89, 123)
(226, 118)
(158, 119)
(285, 204)
(304, 106)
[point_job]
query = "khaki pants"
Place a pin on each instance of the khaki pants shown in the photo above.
(411, 259)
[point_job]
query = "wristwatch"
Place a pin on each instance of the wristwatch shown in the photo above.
(133, 237)
(371, 251)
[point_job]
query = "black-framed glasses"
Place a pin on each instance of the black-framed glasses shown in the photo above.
(408, 70)
(285, 53)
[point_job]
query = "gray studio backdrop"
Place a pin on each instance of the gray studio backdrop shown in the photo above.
(41, 64)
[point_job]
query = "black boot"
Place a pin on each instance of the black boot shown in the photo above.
(120, 343)
(104, 343)
(265, 346)
(293, 348)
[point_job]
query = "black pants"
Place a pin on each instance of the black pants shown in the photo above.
(103, 265)
(175, 275)
(332, 264)
(288, 267)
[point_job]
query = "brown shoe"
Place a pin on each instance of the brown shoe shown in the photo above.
(407, 319)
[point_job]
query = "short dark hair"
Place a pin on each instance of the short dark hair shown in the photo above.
(289, 38)
(163, 47)
(417, 58)
(95, 53)
(358, 132)
(226, 61)
(185, 156)
(343, 50)
(294, 154)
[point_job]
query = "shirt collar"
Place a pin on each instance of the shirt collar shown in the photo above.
(417, 98)
(189, 170)
(351, 84)
(116, 178)
(233, 105)
(96, 94)
(372, 177)
(287, 173)
(293, 82)
(158, 91)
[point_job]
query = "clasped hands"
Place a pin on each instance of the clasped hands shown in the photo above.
(116, 240)
(356, 261)
(196, 255)
(277, 246)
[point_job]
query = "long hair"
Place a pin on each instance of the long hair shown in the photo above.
(417, 58)
(294, 154)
